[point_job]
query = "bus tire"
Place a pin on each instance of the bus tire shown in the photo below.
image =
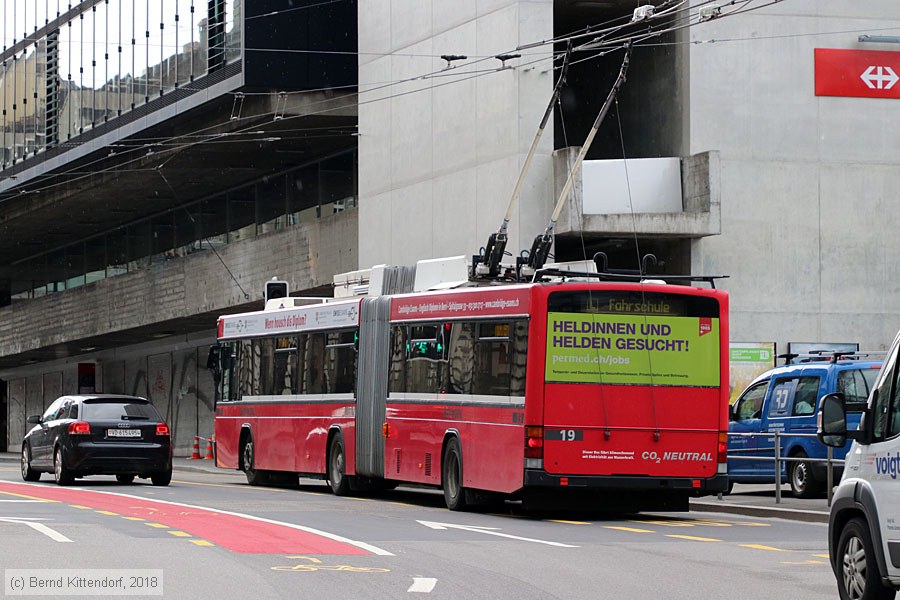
(248, 454)
(452, 476)
(337, 466)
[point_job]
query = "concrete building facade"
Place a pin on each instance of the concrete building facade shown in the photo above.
(126, 232)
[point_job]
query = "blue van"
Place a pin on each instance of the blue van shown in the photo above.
(786, 399)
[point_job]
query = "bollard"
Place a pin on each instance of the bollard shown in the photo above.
(777, 468)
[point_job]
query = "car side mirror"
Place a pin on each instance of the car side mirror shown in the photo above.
(832, 420)
(732, 412)
(33, 419)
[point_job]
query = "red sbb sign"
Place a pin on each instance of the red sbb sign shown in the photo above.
(857, 73)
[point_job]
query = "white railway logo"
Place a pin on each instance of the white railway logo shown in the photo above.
(879, 78)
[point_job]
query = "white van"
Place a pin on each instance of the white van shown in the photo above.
(864, 528)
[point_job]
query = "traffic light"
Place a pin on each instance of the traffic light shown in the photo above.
(275, 288)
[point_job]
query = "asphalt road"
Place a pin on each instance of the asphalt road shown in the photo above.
(210, 535)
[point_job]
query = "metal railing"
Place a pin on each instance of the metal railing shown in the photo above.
(777, 458)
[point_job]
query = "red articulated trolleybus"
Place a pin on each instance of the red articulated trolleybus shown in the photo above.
(607, 393)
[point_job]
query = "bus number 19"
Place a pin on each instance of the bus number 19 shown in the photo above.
(565, 435)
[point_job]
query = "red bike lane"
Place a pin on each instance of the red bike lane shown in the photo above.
(245, 534)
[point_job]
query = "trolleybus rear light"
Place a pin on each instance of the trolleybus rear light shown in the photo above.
(722, 453)
(534, 442)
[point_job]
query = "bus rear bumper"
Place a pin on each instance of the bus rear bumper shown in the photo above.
(625, 483)
(544, 490)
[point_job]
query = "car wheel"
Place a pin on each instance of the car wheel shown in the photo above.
(803, 485)
(254, 476)
(124, 478)
(452, 476)
(337, 477)
(28, 474)
(63, 475)
(161, 479)
(859, 577)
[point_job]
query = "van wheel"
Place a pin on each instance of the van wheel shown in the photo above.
(803, 485)
(859, 577)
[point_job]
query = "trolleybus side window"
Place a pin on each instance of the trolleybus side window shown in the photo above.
(482, 358)
(340, 362)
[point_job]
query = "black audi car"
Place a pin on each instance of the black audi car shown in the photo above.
(98, 435)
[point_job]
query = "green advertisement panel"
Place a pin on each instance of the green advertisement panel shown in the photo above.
(635, 350)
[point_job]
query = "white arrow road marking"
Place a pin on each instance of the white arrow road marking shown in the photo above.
(422, 585)
(490, 531)
(40, 527)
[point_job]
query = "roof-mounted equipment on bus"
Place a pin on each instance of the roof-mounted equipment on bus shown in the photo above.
(487, 264)
(275, 288)
(540, 247)
(599, 269)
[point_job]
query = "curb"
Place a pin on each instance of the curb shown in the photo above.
(793, 514)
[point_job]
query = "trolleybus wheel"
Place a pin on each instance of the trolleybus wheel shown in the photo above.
(337, 477)
(452, 476)
(254, 475)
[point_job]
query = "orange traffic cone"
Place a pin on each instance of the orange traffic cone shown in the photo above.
(209, 452)
(195, 455)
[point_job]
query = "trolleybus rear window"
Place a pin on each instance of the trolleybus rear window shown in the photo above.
(633, 338)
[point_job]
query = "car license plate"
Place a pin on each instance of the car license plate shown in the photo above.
(123, 433)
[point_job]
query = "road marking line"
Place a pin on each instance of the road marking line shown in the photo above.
(201, 542)
(820, 555)
(569, 522)
(23, 501)
(804, 562)
(712, 523)
(693, 538)
(80, 507)
(232, 485)
(107, 512)
(751, 524)
(28, 497)
(632, 529)
(179, 533)
(665, 523)
(133, 518)
(422, 585)
(761, 547)
(157, 525)
(489, 531)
